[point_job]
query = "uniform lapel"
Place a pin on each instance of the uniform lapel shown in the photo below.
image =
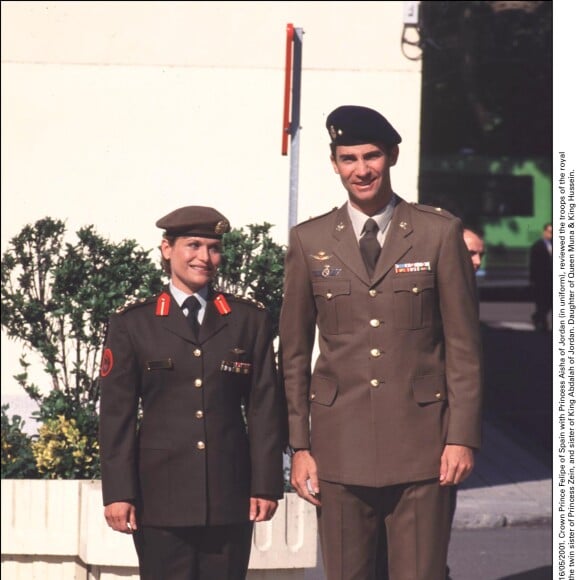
(347, 249)
(176, 322)
(213, 321)
(397, 242)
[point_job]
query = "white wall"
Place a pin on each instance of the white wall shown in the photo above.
(115, 113)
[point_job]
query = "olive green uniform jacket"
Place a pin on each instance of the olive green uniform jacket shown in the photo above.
(398, 374)
(192, 460)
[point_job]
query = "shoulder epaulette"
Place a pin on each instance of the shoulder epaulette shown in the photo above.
(317, 217)
(246, 300)
(433, 210)
(134, 303)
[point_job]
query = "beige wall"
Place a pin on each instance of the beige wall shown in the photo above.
(115, 113)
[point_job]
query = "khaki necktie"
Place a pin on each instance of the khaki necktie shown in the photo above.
(369, 245)
(192, 304)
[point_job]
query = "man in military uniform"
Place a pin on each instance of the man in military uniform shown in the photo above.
(191, 421)
(390, 416)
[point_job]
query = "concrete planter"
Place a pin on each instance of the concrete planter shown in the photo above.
(55, 530)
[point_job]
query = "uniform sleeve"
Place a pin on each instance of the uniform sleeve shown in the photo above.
(297, 333)
(118, 415)
(460, 318)
(266, 416)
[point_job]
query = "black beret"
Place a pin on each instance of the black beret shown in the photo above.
(354, 125)
(194, 220)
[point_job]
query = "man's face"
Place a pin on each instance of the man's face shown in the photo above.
(548, 233)
(475, 247)
(193, 260)
(364, 172)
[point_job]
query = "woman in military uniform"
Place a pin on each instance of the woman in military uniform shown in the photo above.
(190, 417)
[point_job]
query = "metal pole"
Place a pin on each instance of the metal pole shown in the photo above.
(295, 128)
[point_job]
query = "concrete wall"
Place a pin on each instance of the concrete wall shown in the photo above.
(115, 113)
(55, 530)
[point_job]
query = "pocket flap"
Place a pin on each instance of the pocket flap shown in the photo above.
(415, 284)
(331, 288)
(429, 389)
(323, 391)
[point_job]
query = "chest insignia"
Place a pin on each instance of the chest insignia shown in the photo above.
(413, 267)
(321, 256)
(326, 272)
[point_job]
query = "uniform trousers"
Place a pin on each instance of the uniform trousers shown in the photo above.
(194, 553)
(417, 521)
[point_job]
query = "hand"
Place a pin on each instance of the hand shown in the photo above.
(304, 477)
(262, 510)
(121, 516)
(457, 463)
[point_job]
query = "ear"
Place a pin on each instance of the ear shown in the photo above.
(393, 155)
(334, 165)
(165, 249)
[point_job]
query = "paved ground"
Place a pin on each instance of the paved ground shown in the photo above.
(512, 482)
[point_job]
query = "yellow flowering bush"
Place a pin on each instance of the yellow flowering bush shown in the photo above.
(62, 451)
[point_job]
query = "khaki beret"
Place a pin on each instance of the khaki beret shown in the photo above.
(354, 125)
(194, 220)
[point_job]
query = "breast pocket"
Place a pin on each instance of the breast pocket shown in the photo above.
(334, 305)
(414, 301)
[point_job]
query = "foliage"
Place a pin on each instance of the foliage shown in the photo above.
(253, 265)
(67, 444)
(482, 62)
(56, 299)
(17, 457)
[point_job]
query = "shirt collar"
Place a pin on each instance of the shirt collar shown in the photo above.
(180, 296)
(383, 217)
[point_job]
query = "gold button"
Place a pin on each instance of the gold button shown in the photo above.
(312, 396)
(374, 323)
(328, 295)
(199, 414)
(197, 383)
(373, 292)
(415, 290)
(197, 352)
(375, 383)
(200, 445)
(437, 395)
(375, 352)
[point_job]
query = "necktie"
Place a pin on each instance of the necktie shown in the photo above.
(193, 306)
(369, 245)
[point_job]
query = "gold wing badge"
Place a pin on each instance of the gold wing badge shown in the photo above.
(326, 271)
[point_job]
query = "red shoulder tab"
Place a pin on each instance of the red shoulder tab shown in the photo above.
(222, 305)
(163, 303)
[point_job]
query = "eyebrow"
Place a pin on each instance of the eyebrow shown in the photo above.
(368, 154)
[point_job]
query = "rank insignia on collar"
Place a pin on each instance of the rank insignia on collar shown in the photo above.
(403, 225)
(163, 302)
(321, 256)
(222, 305)
(340, 226)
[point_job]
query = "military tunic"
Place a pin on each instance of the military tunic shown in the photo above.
(398, 374)
(209, 434)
